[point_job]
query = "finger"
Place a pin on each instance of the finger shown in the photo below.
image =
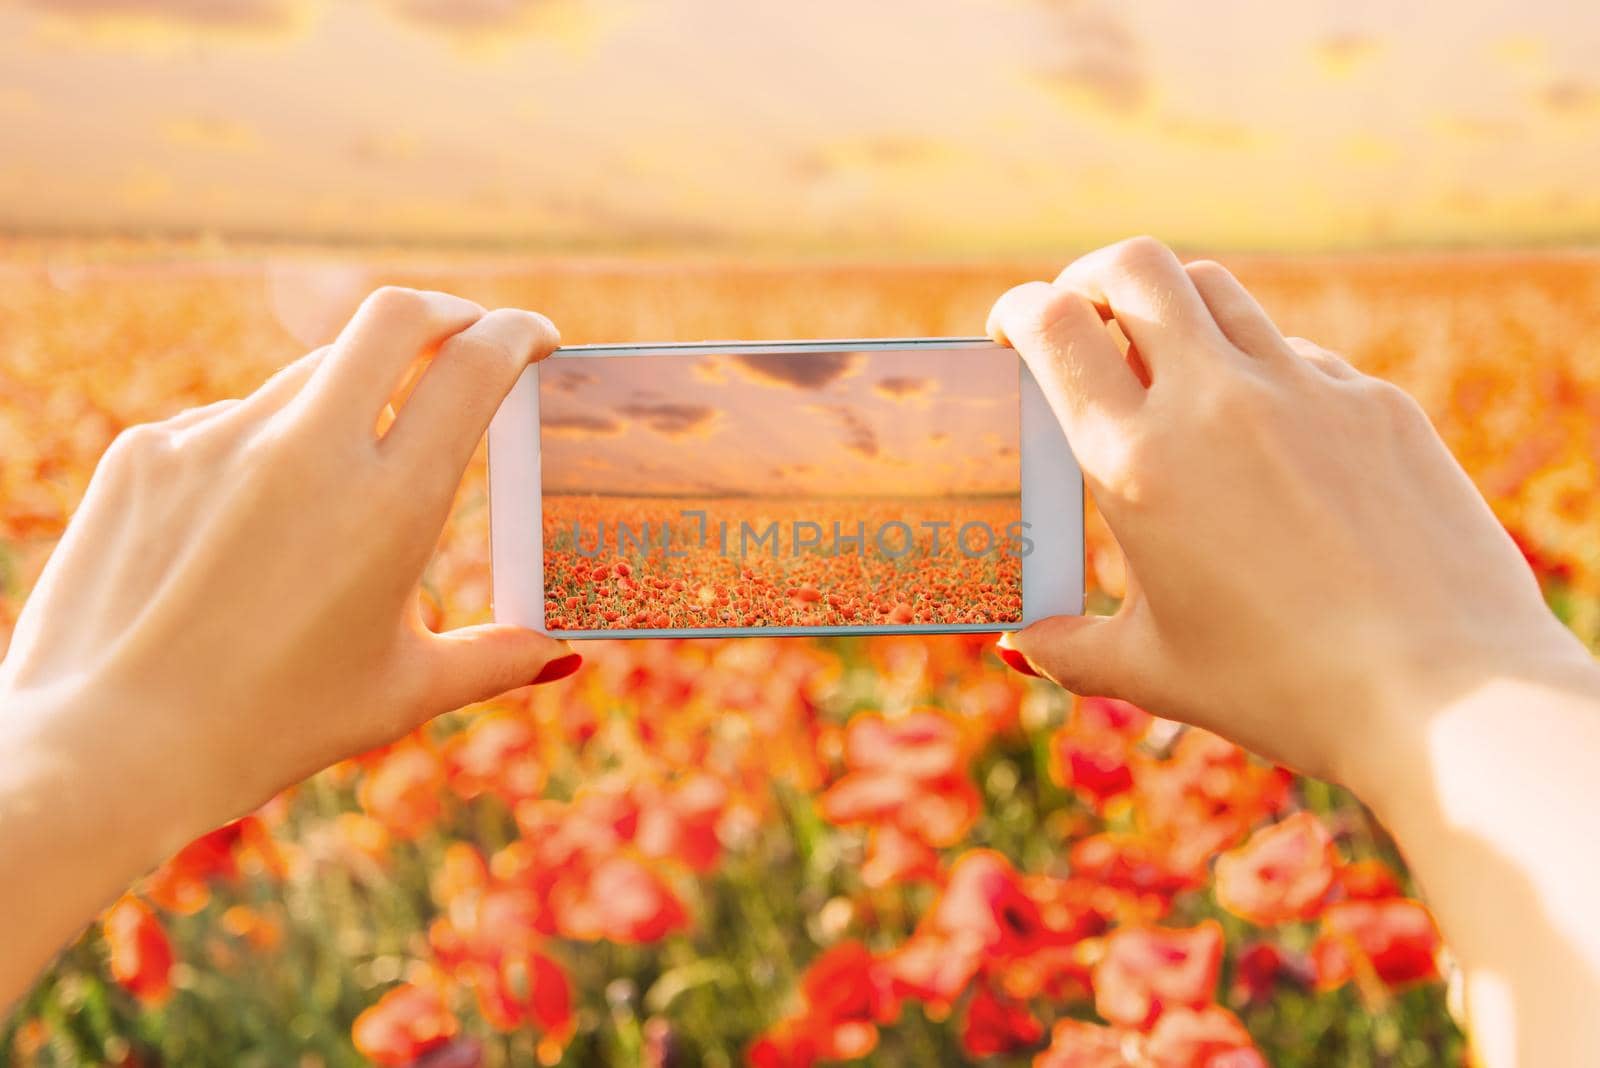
(285, 383)
(477, 663)
(391, 329)
(193, 417)
(271, 395)
(1069, 350)
(1143, 286)
(1084, 654)
(1329, 363)
(451, 406)
(1239, 315)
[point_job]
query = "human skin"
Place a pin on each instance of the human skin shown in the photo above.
(234, 606)
(1312, 575)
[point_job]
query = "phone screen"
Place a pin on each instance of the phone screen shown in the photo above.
(855, 490)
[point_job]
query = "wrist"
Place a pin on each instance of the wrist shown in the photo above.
(1388, 769)
(103, 775)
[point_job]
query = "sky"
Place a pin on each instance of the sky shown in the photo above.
(905, 126)
(809, 424)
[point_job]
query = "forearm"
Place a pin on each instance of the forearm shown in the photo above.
(83, 813)
(1492, 795)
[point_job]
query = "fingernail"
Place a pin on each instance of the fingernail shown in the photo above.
(1015, 661)
(559, 668)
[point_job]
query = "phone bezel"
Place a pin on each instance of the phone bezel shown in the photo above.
(1052, 497)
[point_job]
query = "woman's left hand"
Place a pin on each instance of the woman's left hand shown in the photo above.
(234, 607)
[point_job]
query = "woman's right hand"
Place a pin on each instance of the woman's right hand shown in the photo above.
(1308, 565)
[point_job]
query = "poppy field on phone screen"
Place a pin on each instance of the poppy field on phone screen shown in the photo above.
(779, 852)
(798, 563)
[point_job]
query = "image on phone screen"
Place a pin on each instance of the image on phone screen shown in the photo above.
(830, 489)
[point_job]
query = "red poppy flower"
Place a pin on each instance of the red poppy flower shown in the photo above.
(895, 858)
(845, 994)
(846, 984)
(1204, 797)
(183, 883)
(1281, 874)
(524, 990)
(403, 790)
(909, 772)
(984, 901)
(1107, 714)
(997, 1025)
(140, 954)
(1131, 862)
(406, 1023)
(681, 821)
(495, 754)
(1201, 1038)
(1078, 1044)
(461, 871)
(1259, 969)
(1394, 941)
(1368, 880)
(621, 900)
(1148, 970)
(788, 1045)
(1094, 766)
(933, 968)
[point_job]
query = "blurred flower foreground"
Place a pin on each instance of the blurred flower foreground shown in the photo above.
(762, 852)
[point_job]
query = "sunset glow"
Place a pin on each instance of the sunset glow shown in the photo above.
(834, 424)
(946, 127)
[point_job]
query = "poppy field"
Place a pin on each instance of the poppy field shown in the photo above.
(687, 563)
(772, 852)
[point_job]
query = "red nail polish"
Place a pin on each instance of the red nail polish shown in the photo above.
(1015, 661)
(559, 668)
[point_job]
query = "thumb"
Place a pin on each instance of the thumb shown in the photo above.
(477, 663)
(1084, 654)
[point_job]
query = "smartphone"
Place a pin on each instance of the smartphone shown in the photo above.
(907, 486)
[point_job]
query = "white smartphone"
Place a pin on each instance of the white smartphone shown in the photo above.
(907, 486)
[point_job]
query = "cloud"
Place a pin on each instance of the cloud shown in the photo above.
(1522, 51)
(938, 437)
(710, 369)
(1208, 133)
(215, 14)
(467, 14)
(671, 419)
(144, 185)
(1102, 62)
(800, 370)
(386, 147)
(580, 425)
(1363, 148)
(1570, 97)
(568, 381)
(870, 153)
(487, 25)
(904, 387)
(859, 437)
(1479, 128)
(1342, 54)
(213, 133)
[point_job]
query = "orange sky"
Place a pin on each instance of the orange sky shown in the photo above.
(837, 423)
(942, 126)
